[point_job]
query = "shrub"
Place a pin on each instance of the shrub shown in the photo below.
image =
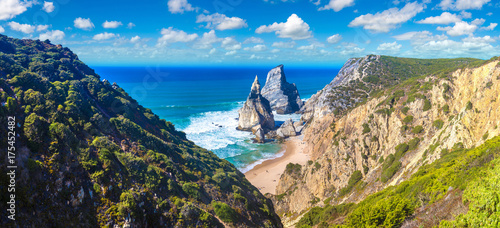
(469, 105)
(438, 124)
(293, 168)
(192, 189)
(366, 128)
(353, 180)
(446, 108)
(389, 212)
(427, 105)
(225, 212)
(413, 144)
(405, 110)
(417, 129)
(408, 119)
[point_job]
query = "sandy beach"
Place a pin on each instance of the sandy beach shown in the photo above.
(265, 176)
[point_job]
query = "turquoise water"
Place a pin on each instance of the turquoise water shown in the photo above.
(204, 103)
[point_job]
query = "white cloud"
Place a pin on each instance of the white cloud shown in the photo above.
(48, 7)
(334, 39)
(104, 36)
(478, 21)
(206, 41)
(462, 4)
(24, 28)
(83, 23)
(130, 25)
(233, 52)
(275, 50)
(40, 28)
(444, 19)
(230, 44)
(389, 19)
(337, 5)
(392, 48)
(11, 8)
(294, 28)
(256, 57)
(471, 46)
(459, 29)
(489, 14)
(111, 24)
(171, 35)
(2, 30)
(256, 48)
(212, 51)
(54, 35)
(420, 37)
(290, 44)
(490, 27)
(473, 39)
(466, 14)
(135, 39)
(351, 51)
(179, 6)
(254, 40)
(308, 47)
(221, 21)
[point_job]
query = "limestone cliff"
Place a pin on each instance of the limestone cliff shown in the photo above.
(424, 116)
(256, 111)
(283, 96)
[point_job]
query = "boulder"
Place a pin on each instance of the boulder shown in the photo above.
(256, 111)
(286, 129)
(283, 96)
(259, 134)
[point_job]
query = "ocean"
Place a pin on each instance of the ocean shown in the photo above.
(204, 101)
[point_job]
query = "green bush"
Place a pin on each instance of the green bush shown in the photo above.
(413, 144)
(446, 108)
(408, 119)
(405, 110)
(366, 128)
(225, 212)
(293, 168)
(417, 129)
(427, 105)
(389, 212)
(468, 106)
(192, 189)
(438, 124)
(353, 180)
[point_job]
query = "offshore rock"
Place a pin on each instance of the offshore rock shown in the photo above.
(256, 111)
(259, 134)
(283, 96)
(287, 129)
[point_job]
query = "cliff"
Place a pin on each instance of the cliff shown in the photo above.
(386, 130)
(283, 96)
(89, 155)
(256, 112)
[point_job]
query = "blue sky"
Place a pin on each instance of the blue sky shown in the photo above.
(256, 32)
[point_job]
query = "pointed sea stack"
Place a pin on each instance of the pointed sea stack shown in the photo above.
(256, 111)
(283, 96)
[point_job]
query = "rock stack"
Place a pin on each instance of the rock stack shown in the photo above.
(256, 114)
(283, 96)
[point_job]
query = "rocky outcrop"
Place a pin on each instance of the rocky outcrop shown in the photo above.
(256, 111)
(287, 129)
(462, 109)
(283, 96)
(260, 135)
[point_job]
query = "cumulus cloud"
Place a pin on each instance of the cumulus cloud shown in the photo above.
(460, 28)
(179, 6)
(2, 30)
(221, 22)
(231, 52)
(207, 40)
(420, 37)
(24, 28)
(111, 24)
(471, 46)
(48, 7)
(171, 35)
(388, 19)
(462, 4)
(254, 40)
(290, 44)
(135, 39)
(392, 48)
(337, 5)
(54, 35)
(11, 8)
(256, 48)
(130, 25)
(334, 39)
(104, 36)
(294, 28)
(230, 44)
(42, 27)
(83, 23)
(490, 27)
(444, 19)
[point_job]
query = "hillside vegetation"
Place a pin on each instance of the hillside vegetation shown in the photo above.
(89, 155)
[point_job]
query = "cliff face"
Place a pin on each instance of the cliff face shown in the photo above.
(256, 111)
(88, 155)
(391, 134)
(283, 96)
